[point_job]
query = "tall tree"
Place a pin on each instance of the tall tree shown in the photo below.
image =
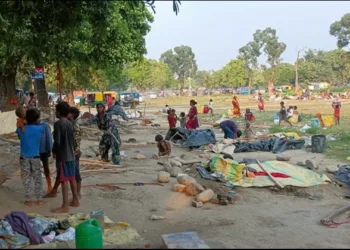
(181, 62)
(273, 50)
(341, 30)
(234, 74)
(250, 54)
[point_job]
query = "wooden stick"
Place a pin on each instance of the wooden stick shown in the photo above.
(271, 177)
(105, 171)
(329, 219)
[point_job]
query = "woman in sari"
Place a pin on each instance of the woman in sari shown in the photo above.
(261, 105)
(192, 122)
(236, 108)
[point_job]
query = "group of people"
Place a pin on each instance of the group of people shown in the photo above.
(37, 144)
(189, 122)
(237, 109)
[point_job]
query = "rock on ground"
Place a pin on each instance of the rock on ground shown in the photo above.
(140, 157)
(179, 188)
(167, 167)
(331, 169)
(311, 164)
(193, 189)
(205, 196)
(175, 163)
(175, 171)
(185, 180)
(301, 163)
(163, 177)
(197, 203)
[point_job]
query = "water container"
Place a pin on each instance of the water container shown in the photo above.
(99, 215)
(276, 119)
(315, 123)
(88, 235)
(318, 143)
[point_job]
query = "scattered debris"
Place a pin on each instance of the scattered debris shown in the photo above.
(332, 169)
(316, 197)
(175, 171)
(155, 156)
(156, 217)
(163, 177)
(167, 167)
(185, 240)
(197, 203)
(175, 163)
(185, 180)
(281, 157)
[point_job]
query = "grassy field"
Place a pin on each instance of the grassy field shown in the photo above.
(338, 148)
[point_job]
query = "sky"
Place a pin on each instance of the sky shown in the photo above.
(217, 29)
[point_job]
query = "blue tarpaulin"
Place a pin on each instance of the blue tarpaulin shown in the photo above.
(191, 138)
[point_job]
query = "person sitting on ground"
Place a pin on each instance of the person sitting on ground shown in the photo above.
(171, 119)
(248, 132)
(249, 115)
(21, 121)
(164, 147)
(182, 120)
(290, 112)
(283, 114)
(166, 108)
(30, 158)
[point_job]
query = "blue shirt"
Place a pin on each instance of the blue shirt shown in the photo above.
(30, 140)
(46, 138)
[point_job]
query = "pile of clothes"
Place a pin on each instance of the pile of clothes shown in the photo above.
(18, 230)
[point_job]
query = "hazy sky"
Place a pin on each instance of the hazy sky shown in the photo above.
(217, 29)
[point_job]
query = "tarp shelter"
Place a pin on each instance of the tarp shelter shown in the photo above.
(191, 138)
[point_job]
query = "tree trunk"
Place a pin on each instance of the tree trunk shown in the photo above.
(250, 79)
(7, 89)
(271, 81)
(40, 90)
(297, 73)
(70, 97)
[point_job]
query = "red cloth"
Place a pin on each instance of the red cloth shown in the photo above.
(249, 117)
(172, 121)
(337, 112)
(274, 174)
(192, 123)
(206, 110)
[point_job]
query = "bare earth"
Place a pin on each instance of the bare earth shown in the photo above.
(261, 218)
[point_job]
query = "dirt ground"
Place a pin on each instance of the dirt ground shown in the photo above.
(260, 218)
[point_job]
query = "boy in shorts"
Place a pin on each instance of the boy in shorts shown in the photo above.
(63, 148)
(45, 152)
(30, 158)
(73, 117)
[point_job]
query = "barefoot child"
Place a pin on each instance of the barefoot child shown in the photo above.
(248, 132)
(337, 114)
(171, 119)
(248, 116)
(45, 152)
(30, 158)
(164, 146)
(21, 121)
(73, 117)
(63, 148)
(182, 120)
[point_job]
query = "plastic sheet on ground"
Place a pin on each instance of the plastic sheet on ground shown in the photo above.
(299, 176)
(231, 169)
(10, 239)
(191, 138)
(274, 144)
(343, 174)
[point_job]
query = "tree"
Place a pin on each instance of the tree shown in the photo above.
(181, 62)
(148, 74)
(98, 33)
(272, 48)
(341, 30)
(201, 78)
(250, 54)
(285, 74)
(234, 74)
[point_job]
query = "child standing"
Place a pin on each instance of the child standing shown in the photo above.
(337, 114)
(249, 115)
(63, 148)
(21, 121)
(211, 106)
(171, 119)
(30, 158)
(45, 152)
(164, 147)
(248, 132)
(182, 120)
(283, 114)
(73, 117)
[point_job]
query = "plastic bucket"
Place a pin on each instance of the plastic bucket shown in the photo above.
(88, 235)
